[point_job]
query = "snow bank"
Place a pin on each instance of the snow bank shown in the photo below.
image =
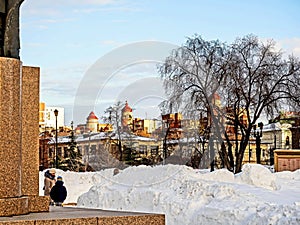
(222, 175)
(288, 175)
(257, 175)
(188, 196)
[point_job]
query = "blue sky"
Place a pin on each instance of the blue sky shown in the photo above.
(66, 37)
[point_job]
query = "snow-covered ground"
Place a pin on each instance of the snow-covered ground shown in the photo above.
(188, 196)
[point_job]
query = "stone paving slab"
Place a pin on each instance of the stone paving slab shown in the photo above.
(76, 215)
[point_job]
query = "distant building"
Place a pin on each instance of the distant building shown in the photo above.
(229, 121)
(92, 125)
(145, 127)
(42, 113)
(172, 125)
(127, 117)
(104, 127)
(81, 129)
(47, 118)
(274, 136)
(92, 122)
(100, 150)
(292, 120)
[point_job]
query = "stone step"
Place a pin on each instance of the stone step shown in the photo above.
(75, 215)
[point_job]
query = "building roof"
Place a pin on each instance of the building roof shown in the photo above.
(126, 108)
(92, 116)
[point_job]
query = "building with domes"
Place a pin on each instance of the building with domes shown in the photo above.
(127, 117)
(92, 122)
(92, 125)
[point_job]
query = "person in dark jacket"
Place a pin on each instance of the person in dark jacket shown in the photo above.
(58, 192)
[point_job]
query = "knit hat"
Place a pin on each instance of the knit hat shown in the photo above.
(52, 171)
(59, 178)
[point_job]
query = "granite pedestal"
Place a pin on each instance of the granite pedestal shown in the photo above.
(73, 215)
(19, 122)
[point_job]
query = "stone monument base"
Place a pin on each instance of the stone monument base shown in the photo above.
(74, 215)
(23, 205)
(14, 206)
(19, 131)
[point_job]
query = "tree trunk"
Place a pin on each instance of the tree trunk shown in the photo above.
(120, 150)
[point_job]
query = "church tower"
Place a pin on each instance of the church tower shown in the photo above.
(127, 117)
(92, 122)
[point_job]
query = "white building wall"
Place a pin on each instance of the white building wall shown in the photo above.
(151, 125)
(281, 131)
(92, 124)
(50, 117)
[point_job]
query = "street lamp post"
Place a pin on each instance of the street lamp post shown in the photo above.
(258, 135)
(56, 156)
(274, 147)
(165, 146)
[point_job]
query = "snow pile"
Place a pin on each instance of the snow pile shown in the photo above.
(288, 175)
(222, 175)
(257, 175)
(188, 196)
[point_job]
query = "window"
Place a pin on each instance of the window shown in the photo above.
(59, 151)
(79, 149)
(66, 153)
(86, 149)
(154, 150)
(51, 152)
(143, 149)
(93, 149)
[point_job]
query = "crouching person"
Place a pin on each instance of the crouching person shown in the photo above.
(58, 192)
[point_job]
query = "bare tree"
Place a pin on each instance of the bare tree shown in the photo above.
(114, 117)
(103, 158)
(259, 80)
(250, 76)
(192, 75)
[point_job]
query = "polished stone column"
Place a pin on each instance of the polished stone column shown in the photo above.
(11, 200)
(19, 105)
(30, 143)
